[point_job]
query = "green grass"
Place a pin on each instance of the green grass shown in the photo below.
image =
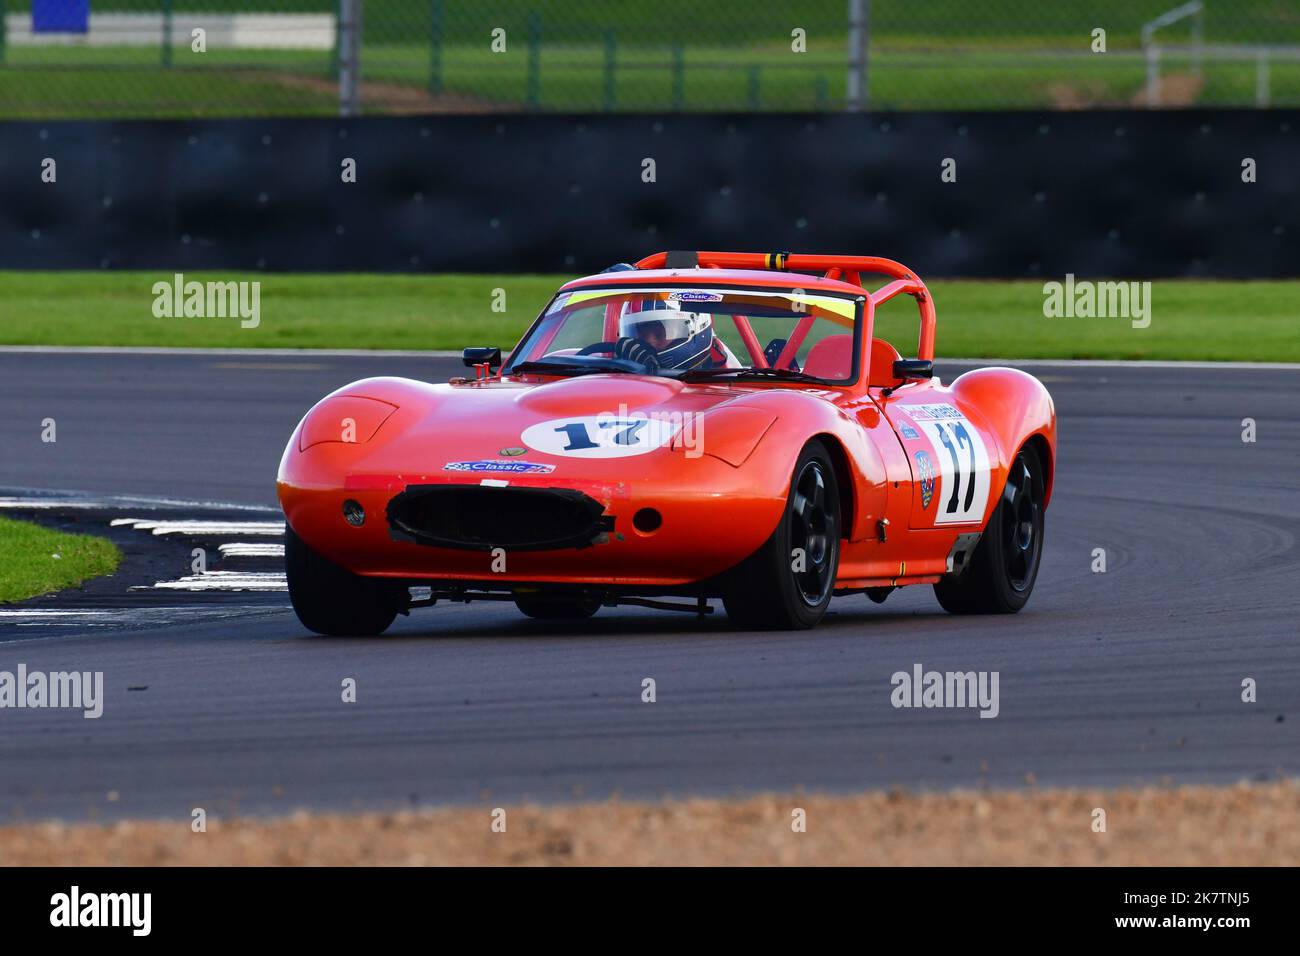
(50, 82)
(1200, 320)
(308, 311)
(36, 560)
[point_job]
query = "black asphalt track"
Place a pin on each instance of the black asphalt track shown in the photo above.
(1129, 676)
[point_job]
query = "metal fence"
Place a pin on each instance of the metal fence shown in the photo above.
(233, 58)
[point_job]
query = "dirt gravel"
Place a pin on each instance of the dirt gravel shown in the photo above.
(1246, 825)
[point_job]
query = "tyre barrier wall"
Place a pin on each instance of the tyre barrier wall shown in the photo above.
(1134, 194)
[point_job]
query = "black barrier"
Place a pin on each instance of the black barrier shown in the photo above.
(1134, 194)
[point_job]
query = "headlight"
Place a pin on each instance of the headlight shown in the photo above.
(730, 433)
(343, 418)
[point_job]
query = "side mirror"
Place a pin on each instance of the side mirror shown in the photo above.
(481, 354)
(913, 368)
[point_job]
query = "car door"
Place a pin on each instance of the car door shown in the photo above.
(950, 452)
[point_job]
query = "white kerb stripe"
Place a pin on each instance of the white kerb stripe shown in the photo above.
(224, 581)
(247, 549)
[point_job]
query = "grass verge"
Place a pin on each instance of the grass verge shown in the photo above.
(66, 82)
(617, 55)
(1190, 320)
(36, 560)
(1246, 825)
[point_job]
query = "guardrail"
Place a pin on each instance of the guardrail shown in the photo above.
(1262, 56)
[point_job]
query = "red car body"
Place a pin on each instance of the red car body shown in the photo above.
(919, 465)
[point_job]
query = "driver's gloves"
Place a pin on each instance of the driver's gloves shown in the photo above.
(637, 351)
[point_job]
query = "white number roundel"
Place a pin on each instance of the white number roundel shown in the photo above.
(600, 436)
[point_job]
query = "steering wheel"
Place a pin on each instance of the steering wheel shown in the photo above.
(628, 350)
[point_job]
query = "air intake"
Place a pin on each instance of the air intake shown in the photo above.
(483, 517)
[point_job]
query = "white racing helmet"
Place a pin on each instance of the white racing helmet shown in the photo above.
(682, 339)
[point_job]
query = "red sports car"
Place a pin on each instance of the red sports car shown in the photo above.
(699, 425)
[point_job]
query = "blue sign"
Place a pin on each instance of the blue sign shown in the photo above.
(60, 16)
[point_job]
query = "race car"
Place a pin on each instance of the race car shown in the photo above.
(697, 426)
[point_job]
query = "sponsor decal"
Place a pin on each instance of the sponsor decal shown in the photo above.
(695, 296)
(512, 467)
(934, 413)
(513, 452)
(909, 432)
(601, 436)
(925, 470)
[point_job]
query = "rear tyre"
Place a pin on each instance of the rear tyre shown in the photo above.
(331, 600)
(787, 583)
(557, 609)
(1002, 571)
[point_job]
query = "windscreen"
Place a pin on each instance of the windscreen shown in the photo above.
(676, 331)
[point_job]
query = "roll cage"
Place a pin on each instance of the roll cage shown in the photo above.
(846, 269)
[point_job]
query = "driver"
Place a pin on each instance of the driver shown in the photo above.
(659, 334)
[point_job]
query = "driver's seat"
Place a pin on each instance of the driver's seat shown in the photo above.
(883, 357)
(831, 357)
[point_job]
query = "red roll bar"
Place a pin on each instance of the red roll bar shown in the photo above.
(843, 268)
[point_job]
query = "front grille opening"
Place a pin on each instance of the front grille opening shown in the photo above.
(483, 517)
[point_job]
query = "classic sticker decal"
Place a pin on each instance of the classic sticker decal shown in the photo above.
(601, 436)
(925, 474)
(695, 296)
(513, 467)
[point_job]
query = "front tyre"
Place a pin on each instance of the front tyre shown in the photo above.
(1002, 571)
(331, 600)
(787, 583)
